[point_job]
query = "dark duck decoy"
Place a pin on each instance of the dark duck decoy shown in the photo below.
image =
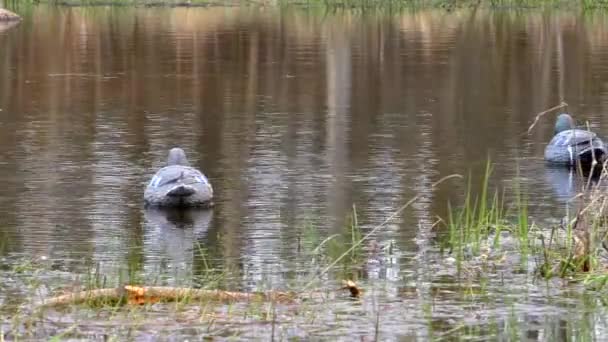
(572, 145)
(178, 184)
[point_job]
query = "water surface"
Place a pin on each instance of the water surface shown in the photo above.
(295, 116)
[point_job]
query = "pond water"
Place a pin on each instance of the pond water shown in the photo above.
(295, 116)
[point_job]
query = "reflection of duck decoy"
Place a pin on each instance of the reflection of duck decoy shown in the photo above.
(178, 184)
(567, 183)
(563, 181)
(170, 238)
(168, 220)
(6, 25)
(571, 145)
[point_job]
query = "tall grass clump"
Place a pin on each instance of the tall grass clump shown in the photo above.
(347, 242)
(574, 248)
(486, 224)
(342, 249)
(471, 226)
(448, 5)
(522, 229)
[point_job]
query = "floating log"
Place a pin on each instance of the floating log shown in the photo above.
(151, 294)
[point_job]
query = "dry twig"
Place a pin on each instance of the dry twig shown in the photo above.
(539, 115)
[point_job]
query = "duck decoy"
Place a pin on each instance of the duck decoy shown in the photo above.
(572, 145)
(6, 15)
(178, 184)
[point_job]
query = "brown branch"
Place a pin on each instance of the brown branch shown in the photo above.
(539, 115)
(153, 294)
(83, 296)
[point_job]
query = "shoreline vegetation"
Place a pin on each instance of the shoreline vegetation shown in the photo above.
(488, 237)
(347, 4)
(485, 237)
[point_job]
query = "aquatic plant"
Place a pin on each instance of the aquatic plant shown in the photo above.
(480, 221)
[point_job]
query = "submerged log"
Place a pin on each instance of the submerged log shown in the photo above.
(6, 15)
(84, 296)
(152, 294)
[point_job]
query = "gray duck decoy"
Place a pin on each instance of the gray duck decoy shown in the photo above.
(178, 184)
(571, 145)
(6, 15)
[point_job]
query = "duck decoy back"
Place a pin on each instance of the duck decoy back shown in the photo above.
(178, 184)
(572, 145)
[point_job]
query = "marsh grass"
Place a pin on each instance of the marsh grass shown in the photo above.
(343, 249)
(448, 5)
(570, 250)
(480, 221)
(575, 248)
(113, 310)
(347, 242)
(363, 5)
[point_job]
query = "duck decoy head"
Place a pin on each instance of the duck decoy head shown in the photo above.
(564, 122)
(177, 156)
